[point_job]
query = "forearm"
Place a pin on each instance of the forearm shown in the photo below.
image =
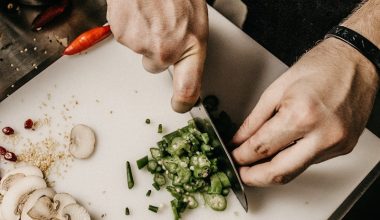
(366, 21)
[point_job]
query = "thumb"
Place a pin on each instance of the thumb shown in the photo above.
(187, 79)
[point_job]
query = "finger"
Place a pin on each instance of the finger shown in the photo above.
(154, 65)
(284, 167)
(275, 135)
(263, 111)
(187, 79)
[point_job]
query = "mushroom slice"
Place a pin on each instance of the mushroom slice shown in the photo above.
(75, 212)
(12, 198)
(42, 209)
(17, 174)
(82, 143)
(32, 200)
(61, 200)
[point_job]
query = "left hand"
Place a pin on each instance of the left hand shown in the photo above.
(315, 111)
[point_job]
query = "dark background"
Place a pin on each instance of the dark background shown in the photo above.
(288, 28)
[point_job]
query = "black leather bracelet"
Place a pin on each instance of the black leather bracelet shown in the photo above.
(357, 41)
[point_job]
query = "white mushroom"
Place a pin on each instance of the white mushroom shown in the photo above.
(17, 174)
(82, 142)
(75, 212)
(42, 209)
(32, 200)
(61, 200)
(12, 198)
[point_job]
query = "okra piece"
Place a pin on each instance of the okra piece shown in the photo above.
(156, 153)
(224, 179)
(130, 180)
(153, 208)
(216, 185)
(141, 163)
(148, 193)
(152, 166)
(156, 186)
(127, 211)
(159, 179)
(147, 121)
(191, 202)
(215, 201)
(225, 191)
(159, 129)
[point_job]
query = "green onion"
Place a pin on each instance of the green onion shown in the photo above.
(159, 130)
(127, 211)
(148, 193)
(147, 121)
(153, 208)
(141, 163)
(130, 180)
(156, 186)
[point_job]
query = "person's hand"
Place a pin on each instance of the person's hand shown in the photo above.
(315, 111)
(165, 32)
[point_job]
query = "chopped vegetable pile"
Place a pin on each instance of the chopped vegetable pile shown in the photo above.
(186, 163)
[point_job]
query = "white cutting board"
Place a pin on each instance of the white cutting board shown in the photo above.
(115, 96)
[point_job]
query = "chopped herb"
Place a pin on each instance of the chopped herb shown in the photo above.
(159, 128)
(130, 180)
(127, 211)
(156, 186)
(148, 193)
(141, 163)
(153, 208)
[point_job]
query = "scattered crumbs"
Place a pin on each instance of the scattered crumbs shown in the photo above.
(35, 48)
(34, 39)
(49, 96)
(12, 86)
(111, 112)
(76, 102)
(136, 91)
(12, 65)
(25, 49)
(45, 52)
(236, 213)
(97, 100)
(17, 69)
(103, 215)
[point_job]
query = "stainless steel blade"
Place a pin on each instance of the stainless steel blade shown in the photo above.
(223, 156)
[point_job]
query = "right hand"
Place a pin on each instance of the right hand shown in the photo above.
(165, 32)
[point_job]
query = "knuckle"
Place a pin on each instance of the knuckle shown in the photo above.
(280, 179)
(187, 92)
(305, 115)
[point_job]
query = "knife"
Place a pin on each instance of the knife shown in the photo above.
(198, 112)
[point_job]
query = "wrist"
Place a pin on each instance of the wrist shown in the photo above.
(349, 57)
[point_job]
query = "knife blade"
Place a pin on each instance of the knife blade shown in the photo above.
(198, 112)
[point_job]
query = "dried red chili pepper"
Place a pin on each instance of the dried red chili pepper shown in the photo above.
(2, 150)
(10, 156)
(8, 131)
(87, 39)
(49, 14)
(28, 124)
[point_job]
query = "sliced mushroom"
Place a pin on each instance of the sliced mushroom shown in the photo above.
(17, 174)
(42, 209)
(61, 200)
(32, 200)
(75, 212)
(82, 143)
(12, 198)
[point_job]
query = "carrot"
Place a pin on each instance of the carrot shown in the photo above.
(87, 39)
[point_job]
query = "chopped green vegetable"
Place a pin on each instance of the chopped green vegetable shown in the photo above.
(156, 153)
(159, 130)
(216, 185)
(185, 161)
(130, 180)
(152, 166)
(127, 211)
(153, 208)
(147, 121)
(141, 163)
(148, 193)
(156, 186)
(159, 179)
(215, 201)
